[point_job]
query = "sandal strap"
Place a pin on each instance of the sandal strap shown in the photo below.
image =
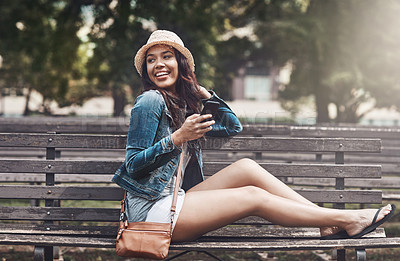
(376, 216)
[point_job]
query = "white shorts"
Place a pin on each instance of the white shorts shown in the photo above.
(161, 210)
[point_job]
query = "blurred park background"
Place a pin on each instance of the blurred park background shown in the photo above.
(302, 61)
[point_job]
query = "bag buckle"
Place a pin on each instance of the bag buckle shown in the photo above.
(120, 233)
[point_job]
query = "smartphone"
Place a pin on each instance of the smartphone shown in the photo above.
(210, 107)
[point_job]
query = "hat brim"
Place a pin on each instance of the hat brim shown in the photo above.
(140, 55)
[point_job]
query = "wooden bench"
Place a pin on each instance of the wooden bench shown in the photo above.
(389, 157)
(53, 224)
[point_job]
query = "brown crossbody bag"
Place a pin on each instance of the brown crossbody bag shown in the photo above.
(146, 239)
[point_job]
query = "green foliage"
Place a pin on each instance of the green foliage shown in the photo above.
(39, 46)
(343, 52)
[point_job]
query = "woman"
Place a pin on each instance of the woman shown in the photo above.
(165, 119)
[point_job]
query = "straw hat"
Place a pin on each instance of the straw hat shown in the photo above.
(167, 38)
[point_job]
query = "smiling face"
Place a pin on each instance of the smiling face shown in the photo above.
(162, 67)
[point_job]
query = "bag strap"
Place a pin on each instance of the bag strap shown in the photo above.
(177, 183)
(122, 217)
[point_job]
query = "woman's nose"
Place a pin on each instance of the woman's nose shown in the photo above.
(159, 64)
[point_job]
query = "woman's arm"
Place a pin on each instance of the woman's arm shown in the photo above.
(142, 155)
(226, 122)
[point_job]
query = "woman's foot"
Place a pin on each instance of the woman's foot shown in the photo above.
(363, 220)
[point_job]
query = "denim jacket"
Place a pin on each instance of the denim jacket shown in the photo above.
(151, 156)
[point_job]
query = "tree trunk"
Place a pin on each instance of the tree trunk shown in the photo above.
(321, 102)
(28, 98)
(2, 107)
(119, 100)
(324, 55)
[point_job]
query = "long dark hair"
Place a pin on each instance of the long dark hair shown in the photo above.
(187, 88)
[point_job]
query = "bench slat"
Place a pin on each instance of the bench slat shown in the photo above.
(233, 231)
(50, 229)
(114, 193)
(109, 167)
(268, 232)
(292, 244)
(63, 141)
(305, 131)
(60, 214)
(59, 166)
(227, 144)
(384, 183)
(41, 178)
(262, 245)
(293, 144)
(308, 170)
(62, 192)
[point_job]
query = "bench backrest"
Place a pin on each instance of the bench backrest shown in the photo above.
(390, 136)
(51, 168)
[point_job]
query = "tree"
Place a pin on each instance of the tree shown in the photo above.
(121, 27)
(340, 51)
(116, 33)
(39, 46)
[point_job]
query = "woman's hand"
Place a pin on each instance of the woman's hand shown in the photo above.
(204, 93)
(193, 128)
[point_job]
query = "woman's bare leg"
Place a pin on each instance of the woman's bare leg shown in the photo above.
(204, 211)
(246, 172)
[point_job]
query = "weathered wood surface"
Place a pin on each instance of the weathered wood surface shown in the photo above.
(256, 245)
(115, 193)
(62, 141)
(120, 125)
(79, 214)
(108, 230)
(384, 183)
(59, 214)
(41, 178)
(234, 232)
(345, 132)
(109, 167)
(290, 245)
(60, 166)
(308, 170)
(293, 144)
(225, 144)
(101, 125)
(106, 193)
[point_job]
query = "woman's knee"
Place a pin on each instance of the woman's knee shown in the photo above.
(250, 167)
(253, 193)
(254, 197)
(247, 165)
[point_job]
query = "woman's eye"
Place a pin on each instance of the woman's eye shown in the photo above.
(150, 60)
(167, 57)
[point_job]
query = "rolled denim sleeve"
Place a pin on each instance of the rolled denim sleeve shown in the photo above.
(143, 152)
(226, 121)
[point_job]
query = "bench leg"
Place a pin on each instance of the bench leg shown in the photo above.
(43, 253)
(341, 254)
(38, 254)
(361, 255)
